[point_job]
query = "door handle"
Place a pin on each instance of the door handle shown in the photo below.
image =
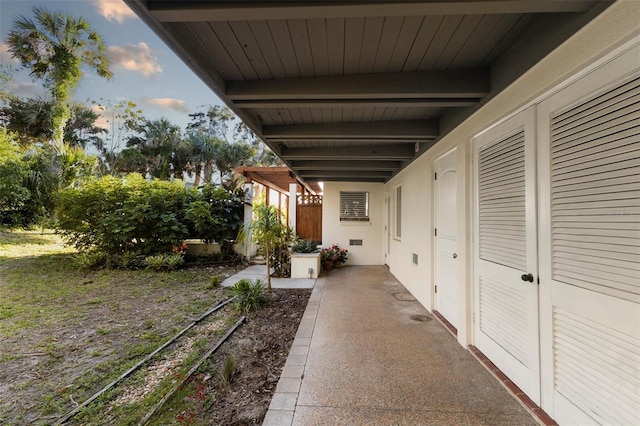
(455, 255)
(527, 277)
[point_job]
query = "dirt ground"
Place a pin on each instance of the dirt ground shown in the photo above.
(259, 349)
(47, 369)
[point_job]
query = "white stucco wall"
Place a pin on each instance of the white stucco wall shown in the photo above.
(607, 32)
(371, 233)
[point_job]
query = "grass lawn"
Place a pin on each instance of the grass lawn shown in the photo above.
(66, 333)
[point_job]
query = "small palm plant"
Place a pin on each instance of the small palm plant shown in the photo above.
(267, 230)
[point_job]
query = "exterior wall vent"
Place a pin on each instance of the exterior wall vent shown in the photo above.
(415, 258)
(355, 242)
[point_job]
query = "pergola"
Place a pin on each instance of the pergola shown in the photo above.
(355, 91)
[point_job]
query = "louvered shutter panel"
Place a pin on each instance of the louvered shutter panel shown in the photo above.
(501, 202)
(595, 193)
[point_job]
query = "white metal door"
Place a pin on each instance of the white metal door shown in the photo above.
(505, 261)
(589, 145)
(446, 238)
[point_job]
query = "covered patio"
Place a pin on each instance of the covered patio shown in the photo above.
(491, 147)
(367, 353)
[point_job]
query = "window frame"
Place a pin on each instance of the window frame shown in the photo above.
(397, 223)
(355, 216)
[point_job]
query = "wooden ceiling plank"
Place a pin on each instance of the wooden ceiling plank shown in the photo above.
(493, 37)
(228, 39)
(458, 40)
(198, 11)
(251, 48)
(203, 39)
(441, 39)
(388, 40)
(335, 43)
(354, 31)
(347, 114)
(461, 83)
(282, 38)
(319, 45)
(415, 129)
(264, 38)
(465, 56)
(410, 27)
(424, 38)
(370, 43)
(300, 39)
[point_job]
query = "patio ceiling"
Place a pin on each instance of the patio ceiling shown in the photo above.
(354, 91)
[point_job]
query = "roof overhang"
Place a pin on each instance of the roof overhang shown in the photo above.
(355, 91)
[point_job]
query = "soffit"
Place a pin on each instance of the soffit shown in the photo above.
(352, 84)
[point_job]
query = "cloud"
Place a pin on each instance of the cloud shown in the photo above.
(114, 10)
(27, 89)
(170, 103)
(135, 57)
(5, 55)
(102, 112)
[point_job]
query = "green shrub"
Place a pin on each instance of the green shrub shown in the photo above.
(214, 282)
(90, 260)
(306, 246)
(118, 216)
(130, 260)
(228, 371)
(164, 262)
(249, 295)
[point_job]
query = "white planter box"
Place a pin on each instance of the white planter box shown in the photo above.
(197, 248)
(301, 263)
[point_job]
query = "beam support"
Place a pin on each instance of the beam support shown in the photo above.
(352, 174)
(199, 11)
(429, 85)
(399, 152)
(303, 165)
(412, 130)
(359, 103)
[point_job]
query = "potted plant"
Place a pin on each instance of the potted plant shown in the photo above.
(334, 256)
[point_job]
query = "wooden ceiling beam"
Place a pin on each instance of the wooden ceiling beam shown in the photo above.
(353, 174)
(403, 152)
(345, 165)
(200, 11)
(401, 130)
(438, 84)
(358, 103)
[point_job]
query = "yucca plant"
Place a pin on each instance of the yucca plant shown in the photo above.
(249, 295)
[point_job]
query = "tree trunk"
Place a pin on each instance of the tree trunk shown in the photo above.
(266, 250)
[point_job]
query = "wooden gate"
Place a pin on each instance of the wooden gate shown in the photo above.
(309, 217)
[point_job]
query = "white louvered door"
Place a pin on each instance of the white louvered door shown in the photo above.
(589, 146)
(506, 306)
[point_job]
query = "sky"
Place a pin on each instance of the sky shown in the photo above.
(145, 70)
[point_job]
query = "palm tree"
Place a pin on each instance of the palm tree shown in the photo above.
(55, 47)
(202, 155)
(159, 142)
(267, 229)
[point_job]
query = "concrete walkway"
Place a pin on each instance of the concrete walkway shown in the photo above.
(367, 353)
(255, 272)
